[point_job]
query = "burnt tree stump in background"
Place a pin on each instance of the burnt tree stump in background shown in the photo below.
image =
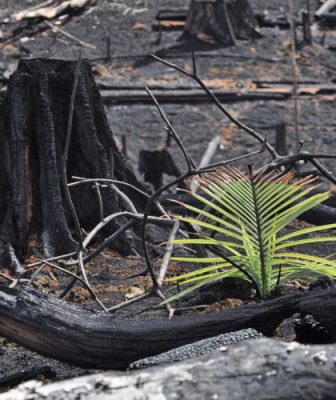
(33, 120)
(223, 21)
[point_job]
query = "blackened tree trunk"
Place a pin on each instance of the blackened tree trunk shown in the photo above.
(34, 119)
(222, 20)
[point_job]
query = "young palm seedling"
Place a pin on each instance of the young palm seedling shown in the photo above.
(240, 225)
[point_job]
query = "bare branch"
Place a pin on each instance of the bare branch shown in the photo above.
(88, 287)
(66, 152)
(238, 123)
(172, 131)
(169, 250)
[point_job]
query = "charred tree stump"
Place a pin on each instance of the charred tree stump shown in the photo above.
(33, 120)
(222, 20)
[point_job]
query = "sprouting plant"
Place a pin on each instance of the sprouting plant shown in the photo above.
(240, 223)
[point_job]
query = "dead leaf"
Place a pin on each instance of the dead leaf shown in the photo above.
(48, 11)
(138, 26)
(226, 134)
(134, 292)
(104, 71)
(127, 68)
(205, 38)
(172, 24)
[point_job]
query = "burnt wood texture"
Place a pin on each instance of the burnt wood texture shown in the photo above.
(33, 120)
(261, 369)
(93, 339)
(224, 21)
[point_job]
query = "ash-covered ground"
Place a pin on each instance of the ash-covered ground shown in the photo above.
(129, 26)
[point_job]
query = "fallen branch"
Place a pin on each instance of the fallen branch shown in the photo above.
(49, 11)
(260, 369)
(70, 36)
(325, 8)
(66, 332)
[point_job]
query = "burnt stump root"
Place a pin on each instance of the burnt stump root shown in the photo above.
(259, 369)
(34, 119)
(93, 339)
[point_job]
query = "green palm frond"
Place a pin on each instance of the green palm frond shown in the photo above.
(244, 214)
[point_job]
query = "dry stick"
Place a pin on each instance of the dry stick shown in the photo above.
(109, 240)
(64, 171)
(294, 71)
(238, 123)
(88, 287)
(326, 7)
(168, 253)
(98, 227)
(154, 220)
(209, 153)
(100, 202)
(37, 6)
(103, 246)
(82, 268)
(147, 196)
(8, 278)
(291, 159)
(160, 279)
(66, 152)
(82, 180)
(191, 165)
(69, 36)
(327, 174)
(229, 24)
(278, 160)
(37, 263)
(124, 198)
(36, 273)
(129, 302)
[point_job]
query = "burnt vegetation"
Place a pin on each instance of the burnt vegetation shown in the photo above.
(70, 192)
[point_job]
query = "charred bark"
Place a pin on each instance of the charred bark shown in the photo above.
(86, 338)
(260, 369)
(34, 119)
(221, 20)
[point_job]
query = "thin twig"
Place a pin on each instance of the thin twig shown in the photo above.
(294, 72)
(98, 227)
(88, 287)
(82, 268)
(167, 255)
(207, 156)
(238, 123)
(129, 302)
(82, 180)
(291, 159)
(37, 263)
(125, 199)
(8, 278)
(171, 130)
(36, 273)
(100, 202)
(66, 152)
(70, 36)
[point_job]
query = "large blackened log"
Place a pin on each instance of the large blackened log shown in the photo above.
(34, 118)
(264, 369)
(64, 331)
